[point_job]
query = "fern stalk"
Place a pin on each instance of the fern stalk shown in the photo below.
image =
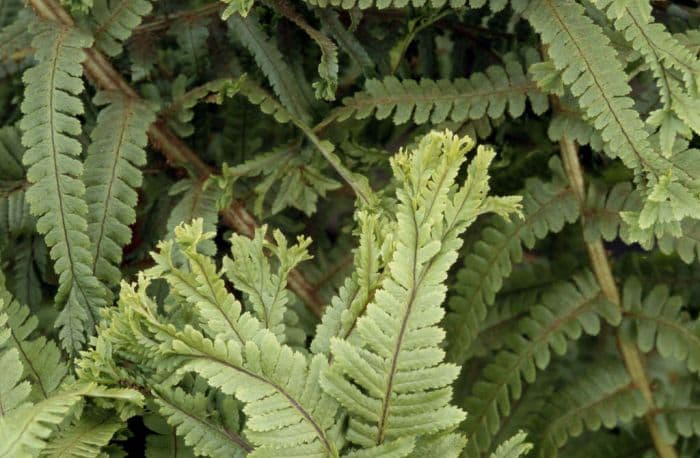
(601, 268)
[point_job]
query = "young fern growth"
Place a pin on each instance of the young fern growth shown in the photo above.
(51, 106)
(111, 175)
(396, 359)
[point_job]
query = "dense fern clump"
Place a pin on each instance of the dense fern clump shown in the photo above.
(357, 228)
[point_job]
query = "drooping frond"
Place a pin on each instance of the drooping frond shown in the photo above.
(112, 173)
(657, 322)
(328, 65)
(50, 123)
(251, 272)
(579, 48)
(567, 310)
(547, 207)
(114, 20)
(395, 365)
(604, 396)
(206, 434)
(272, 63)
(490, 93)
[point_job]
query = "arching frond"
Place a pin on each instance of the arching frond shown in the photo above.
(114, 21)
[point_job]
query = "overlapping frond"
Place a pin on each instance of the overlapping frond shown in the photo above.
(392, 378)
(547, 207)
(567, 310)
(85, 438)
(590, 68)
(114, 21)
(112, 173)
(513, 447)
(56, 197)
(499, 89)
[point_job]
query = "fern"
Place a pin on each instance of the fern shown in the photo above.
(566, 311)
(657, 323)
(189, 416)
(111, 174)
(604, 397)
(546, 208)
(273, 65)
(513, 447)
(114, 22)
(85, 438)
(580, 50)
(397, 361)
(56, 196)
(483, 94)
(381, 4)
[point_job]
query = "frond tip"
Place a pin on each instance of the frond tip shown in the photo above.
(392, 377)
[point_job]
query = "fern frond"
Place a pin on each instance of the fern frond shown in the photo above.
(163, 442)
(490, 93)
(340, 317)
(579, 48)
(200, 285)
(382, 4)
(663, 54)
(547, 207)
(604, 396)
(85, 438)
(111, 175)
(114, 22)
(189, 416)
(50, 122)
(272, 63)
(251, 272)
(396, 364)
(199, 200)
(41, 358)
(13, 390)
(658, 323)
(567, 310)
(513, 447)
(14, 36)
(23, 433)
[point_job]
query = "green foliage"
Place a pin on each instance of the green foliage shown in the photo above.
(236, 228)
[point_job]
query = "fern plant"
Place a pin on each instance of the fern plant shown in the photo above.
(237, 228)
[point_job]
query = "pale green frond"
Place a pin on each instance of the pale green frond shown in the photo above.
(265, 287)
(41, 359)
(199, 283)
(112, 174)
(514, 447)
(164, 442)
(206, 434)
(396, 364)
(240, 7)
(13, 390)
(547, 207)
(340, 317)
(56, 197)
(85, 438)
(491, 93)
(115, 20)
(567, 310)
(23, 434)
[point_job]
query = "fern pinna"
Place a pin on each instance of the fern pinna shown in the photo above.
(238, 228)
